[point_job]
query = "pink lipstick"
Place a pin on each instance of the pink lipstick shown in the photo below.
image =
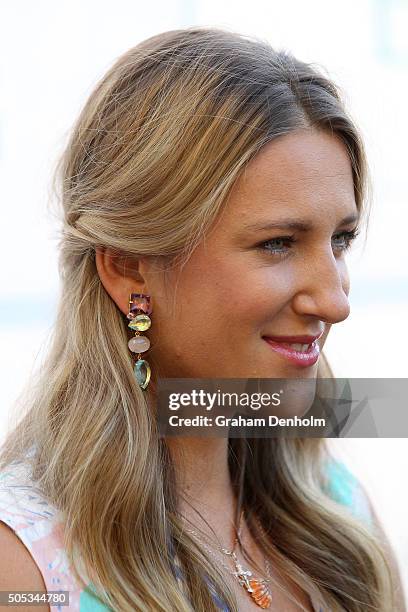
(303, 351)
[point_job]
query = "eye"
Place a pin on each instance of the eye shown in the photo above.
(343, 240)
(281, 245)
(277, 246)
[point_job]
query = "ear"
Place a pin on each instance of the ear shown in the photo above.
(120, 275)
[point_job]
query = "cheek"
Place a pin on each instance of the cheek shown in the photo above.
(270, 292)
(205, 311)
(215, 311)
(191, 314)
(344, 276)
(230, 298)
(346, 283)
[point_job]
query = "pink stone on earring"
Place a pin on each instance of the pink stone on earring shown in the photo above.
(140, 301)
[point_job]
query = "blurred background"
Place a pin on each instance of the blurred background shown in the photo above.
(52, 55)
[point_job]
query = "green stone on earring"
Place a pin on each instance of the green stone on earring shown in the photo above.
(142, 372)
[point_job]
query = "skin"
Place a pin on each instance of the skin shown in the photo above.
(209, 316)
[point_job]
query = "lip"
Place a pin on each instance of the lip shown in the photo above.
(298, 339)
(303, 359)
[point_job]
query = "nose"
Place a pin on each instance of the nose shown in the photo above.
(323, 290)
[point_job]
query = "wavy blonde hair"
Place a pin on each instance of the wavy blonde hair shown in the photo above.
(150, 162)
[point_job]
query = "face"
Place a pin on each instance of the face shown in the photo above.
(272, 267)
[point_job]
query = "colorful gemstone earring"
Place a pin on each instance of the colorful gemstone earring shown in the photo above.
(139, 310)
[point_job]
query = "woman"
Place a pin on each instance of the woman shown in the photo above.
(219, 183)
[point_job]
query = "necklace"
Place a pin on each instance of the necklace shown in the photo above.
(256, 588)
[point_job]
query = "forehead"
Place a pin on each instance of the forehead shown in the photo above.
(306, 172)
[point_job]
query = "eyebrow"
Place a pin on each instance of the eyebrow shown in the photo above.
(294, 224)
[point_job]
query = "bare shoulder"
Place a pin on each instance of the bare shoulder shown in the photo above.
(18, 570)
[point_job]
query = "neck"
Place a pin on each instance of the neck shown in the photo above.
(204, 484)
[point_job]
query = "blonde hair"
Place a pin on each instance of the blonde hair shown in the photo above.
(150, 162)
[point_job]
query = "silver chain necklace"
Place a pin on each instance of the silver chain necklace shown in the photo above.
(256, 588)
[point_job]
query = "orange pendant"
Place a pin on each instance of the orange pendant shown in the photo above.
(257, 589)
(260, 593)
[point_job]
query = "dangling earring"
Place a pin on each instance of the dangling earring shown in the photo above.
(139, 310)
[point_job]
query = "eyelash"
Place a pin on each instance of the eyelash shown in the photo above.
(348, 235)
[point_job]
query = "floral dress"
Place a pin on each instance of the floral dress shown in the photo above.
(40, 528)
